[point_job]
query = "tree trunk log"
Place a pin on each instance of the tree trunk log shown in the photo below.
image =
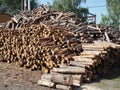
(70, 70)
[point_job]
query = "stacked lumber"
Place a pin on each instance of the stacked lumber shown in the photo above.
(97, 59)
(39, 47)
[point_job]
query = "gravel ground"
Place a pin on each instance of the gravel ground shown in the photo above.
(17, 78)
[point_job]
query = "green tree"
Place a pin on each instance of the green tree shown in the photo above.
(13, 6)
(113, 13)
(9, 6)
(71, 6)
(33, 4)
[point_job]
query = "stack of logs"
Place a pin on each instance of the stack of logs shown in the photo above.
(51, 19)
(39, 47)
(97, 59)
(66, 20)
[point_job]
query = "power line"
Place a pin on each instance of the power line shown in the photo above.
(93, 2)
(96, 6)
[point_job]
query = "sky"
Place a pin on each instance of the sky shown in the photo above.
(97, 7)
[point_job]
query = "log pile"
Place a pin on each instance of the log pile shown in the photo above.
(51, 18)
(105, 57)
(63, 20)
(114, 34)
(97, 59)
(39, 47)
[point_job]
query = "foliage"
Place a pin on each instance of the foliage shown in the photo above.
(33, 4)
(10, 6)
(70, 6)
(13, 6)
(113, 10)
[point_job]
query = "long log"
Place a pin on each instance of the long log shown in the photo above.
(92, 52)
(64, 79)
(69, 69)
(87, 56)
(82, 59)
(82, 64)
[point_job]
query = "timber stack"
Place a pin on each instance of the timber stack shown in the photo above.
(67, 21)
(38, 47)
(97, 59)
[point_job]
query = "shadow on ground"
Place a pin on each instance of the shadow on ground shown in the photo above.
(109, 81)
(113, 74)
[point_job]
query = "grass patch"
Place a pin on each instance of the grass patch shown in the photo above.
(117, 86)
(118, 79)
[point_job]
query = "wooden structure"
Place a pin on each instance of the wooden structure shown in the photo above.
(91, 18)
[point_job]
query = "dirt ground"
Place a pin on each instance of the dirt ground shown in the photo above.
(16, 78)
(19, 78)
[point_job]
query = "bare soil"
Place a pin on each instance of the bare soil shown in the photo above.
(19, 78)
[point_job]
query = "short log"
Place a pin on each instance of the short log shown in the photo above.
(63, 87)
(62, 79)
(46, 83)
